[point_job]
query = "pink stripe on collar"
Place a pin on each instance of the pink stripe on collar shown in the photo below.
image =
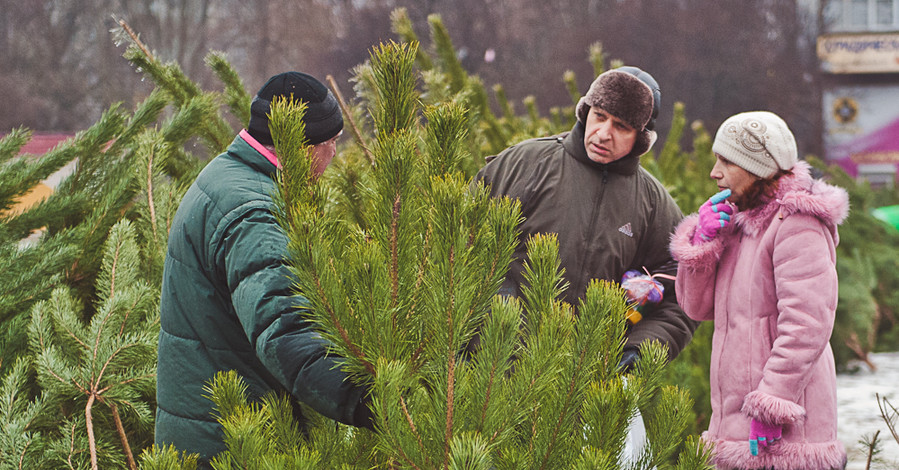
(268, 154)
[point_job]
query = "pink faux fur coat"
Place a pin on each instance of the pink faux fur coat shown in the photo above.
(769, 282)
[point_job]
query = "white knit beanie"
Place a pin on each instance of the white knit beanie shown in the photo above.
(758, 141)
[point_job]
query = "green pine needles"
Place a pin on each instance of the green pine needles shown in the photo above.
(402, 298)
(97, 377)
(399, 259)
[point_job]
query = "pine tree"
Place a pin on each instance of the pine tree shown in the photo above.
(401, 298)
(96, 376)
(70, 217)
(412, 157)
(111, 159)
(127, 167)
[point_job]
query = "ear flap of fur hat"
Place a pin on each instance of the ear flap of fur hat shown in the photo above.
(644, 142)
(622, 95)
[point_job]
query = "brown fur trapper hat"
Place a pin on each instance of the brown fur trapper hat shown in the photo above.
(629, 94)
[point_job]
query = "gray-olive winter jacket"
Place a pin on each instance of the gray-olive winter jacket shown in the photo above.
(227, 304)
(610, 218)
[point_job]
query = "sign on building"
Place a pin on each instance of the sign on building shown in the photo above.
(859, 53)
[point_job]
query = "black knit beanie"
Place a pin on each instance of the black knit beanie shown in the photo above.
(323, 118)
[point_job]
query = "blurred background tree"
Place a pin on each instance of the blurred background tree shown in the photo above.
(59, 68)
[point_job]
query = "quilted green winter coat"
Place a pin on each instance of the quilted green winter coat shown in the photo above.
(227, 304)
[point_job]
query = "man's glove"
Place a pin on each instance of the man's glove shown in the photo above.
(761, 435)
(714, 215)
(629, 358)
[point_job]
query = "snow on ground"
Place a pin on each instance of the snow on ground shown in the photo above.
(859, 415)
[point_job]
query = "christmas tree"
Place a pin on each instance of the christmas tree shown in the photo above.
(96, 378)
(401, 297)
(78, 308)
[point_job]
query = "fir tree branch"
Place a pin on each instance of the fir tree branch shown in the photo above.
(71, 447)
(125, 382)
(451, 363)
(22, 455)
(394, 249)
(532, 383)
(91, 439)
(236, 95)
(407, 459)
(569, 397)
(348, 115)
(124, 321)
(112, 279)
(135, 38)
(332, 314)
(486, 405)
(450, 392)
(415, 433)
(122, 436)
(402, 26)
(417, 354)
(150, 202)
(419, 279)
(110, 360)
(11, 144)
(535, 414)
(448, 58)
(74, 382)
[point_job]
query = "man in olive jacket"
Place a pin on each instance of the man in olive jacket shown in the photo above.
(610, 215)
(227, 301)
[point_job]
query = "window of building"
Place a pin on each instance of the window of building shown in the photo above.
(862, 15)
(884, 13)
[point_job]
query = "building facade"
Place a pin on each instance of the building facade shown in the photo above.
(858, 49)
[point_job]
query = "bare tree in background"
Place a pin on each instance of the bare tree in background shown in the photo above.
(50, 63)
(178, 30)
(59, 67)
(718, 57)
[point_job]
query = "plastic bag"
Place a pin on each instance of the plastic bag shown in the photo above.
(642, 288)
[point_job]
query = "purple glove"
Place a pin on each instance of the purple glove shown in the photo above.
(713, 216)
(761, 434)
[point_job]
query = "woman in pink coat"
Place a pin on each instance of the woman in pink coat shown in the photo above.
(759, 260)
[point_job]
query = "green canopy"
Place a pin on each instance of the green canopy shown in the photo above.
(888, 214)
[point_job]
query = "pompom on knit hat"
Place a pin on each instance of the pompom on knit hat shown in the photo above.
(631, 95)
(759, 142)
(323, 118)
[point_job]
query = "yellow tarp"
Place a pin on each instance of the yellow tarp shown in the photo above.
(32, 197)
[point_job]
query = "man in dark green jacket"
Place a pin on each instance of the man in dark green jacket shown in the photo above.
(227, 301)
(610, 215)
